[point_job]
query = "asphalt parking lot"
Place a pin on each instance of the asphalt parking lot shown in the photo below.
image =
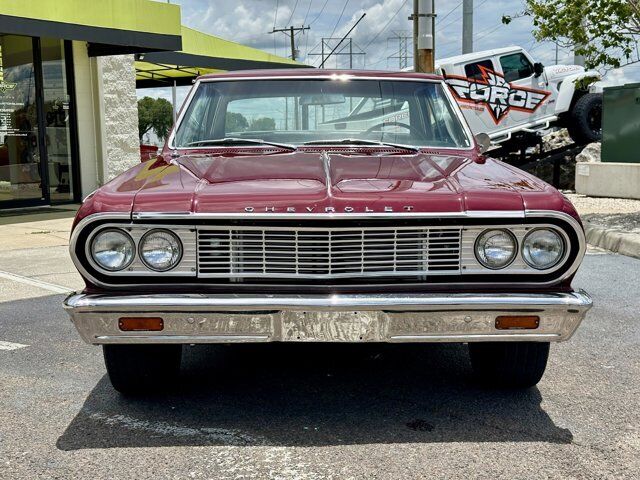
(301, 411)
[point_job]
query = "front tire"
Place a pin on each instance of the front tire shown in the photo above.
(585, 119)
(141, 369)
(509, 364)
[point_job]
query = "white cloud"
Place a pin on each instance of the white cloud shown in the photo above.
(621, 76)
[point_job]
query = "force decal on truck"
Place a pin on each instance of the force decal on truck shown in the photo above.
(496, 94)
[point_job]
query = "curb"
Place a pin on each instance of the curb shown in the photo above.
(623, 243)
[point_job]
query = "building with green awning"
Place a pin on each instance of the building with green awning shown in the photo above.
(68, 76)
(201, 54)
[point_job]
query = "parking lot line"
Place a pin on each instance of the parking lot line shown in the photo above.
(34, 282)
(11, 346)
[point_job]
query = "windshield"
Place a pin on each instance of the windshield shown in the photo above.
(301, 111)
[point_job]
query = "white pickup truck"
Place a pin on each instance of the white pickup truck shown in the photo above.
(507, 95)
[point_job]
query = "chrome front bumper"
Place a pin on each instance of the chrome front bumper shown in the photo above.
(197, 318)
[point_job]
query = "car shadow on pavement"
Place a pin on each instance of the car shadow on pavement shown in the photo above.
(315, 395)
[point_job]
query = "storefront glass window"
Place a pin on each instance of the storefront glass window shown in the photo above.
(57, 120)
(20, 179)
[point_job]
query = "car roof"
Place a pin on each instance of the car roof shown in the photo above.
(319, 73)
(469, 57)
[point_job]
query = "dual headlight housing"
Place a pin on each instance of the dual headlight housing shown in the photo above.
(113, 249)
(541, 248)
(160, 250)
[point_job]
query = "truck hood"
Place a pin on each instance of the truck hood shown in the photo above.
(326, 182)
(561, 71)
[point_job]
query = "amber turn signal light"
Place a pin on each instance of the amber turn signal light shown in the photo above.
(140, 324)
(517, 322)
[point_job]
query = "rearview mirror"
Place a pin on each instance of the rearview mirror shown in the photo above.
(483, 141)
(322, 99)
(538, 69)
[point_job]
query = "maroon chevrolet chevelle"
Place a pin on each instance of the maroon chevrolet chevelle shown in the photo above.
(325, 206)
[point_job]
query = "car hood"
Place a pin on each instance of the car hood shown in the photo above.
(326, 182)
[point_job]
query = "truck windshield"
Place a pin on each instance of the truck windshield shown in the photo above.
(301, 111)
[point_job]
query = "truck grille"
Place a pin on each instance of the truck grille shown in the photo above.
(273, 252)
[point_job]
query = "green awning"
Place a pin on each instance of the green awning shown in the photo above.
(110, 26)
(202, 54)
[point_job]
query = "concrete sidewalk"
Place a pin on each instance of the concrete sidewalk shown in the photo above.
(610, 223)
(35, 260)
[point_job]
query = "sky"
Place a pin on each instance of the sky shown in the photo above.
(250, 21)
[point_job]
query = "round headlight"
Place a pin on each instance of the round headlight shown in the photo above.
(542, 248)
(496, 249)
(112, 249)
(160, 250)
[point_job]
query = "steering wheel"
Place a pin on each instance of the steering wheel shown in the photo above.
(380, 126)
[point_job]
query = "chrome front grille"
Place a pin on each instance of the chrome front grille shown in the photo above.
(273, 252)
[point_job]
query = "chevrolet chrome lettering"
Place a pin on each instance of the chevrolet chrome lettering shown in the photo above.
(306, 227)
(346, 209)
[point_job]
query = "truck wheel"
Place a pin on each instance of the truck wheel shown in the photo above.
(509, 364)
(139, 369)
(585, 120)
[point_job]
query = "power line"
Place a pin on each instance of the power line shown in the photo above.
(386, 26)
(319, 13)
(442, 27)
(275, 15)
(306, 42)
(386, 49)
(275, 19)
(339, 18)
(306, 15)
(491, 31)
(292, 12)
(449, 13)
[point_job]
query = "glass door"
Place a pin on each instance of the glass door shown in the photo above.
(57, 120)
(21, 181)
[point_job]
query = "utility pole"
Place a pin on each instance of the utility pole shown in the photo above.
(424, 19)
(329, 44)
(403, 40)
(291, 32)
(343, 39)
(467, 26)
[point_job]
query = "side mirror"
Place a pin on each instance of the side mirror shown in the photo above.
(483, 141)
(538, 69)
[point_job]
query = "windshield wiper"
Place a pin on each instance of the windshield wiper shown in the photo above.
(360, 141)
(239, 141)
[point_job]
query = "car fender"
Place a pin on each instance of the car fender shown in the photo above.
(568, 88)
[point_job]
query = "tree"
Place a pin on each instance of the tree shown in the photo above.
(235, 122)
(262, 124)
(603, 31)
(154, 114)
